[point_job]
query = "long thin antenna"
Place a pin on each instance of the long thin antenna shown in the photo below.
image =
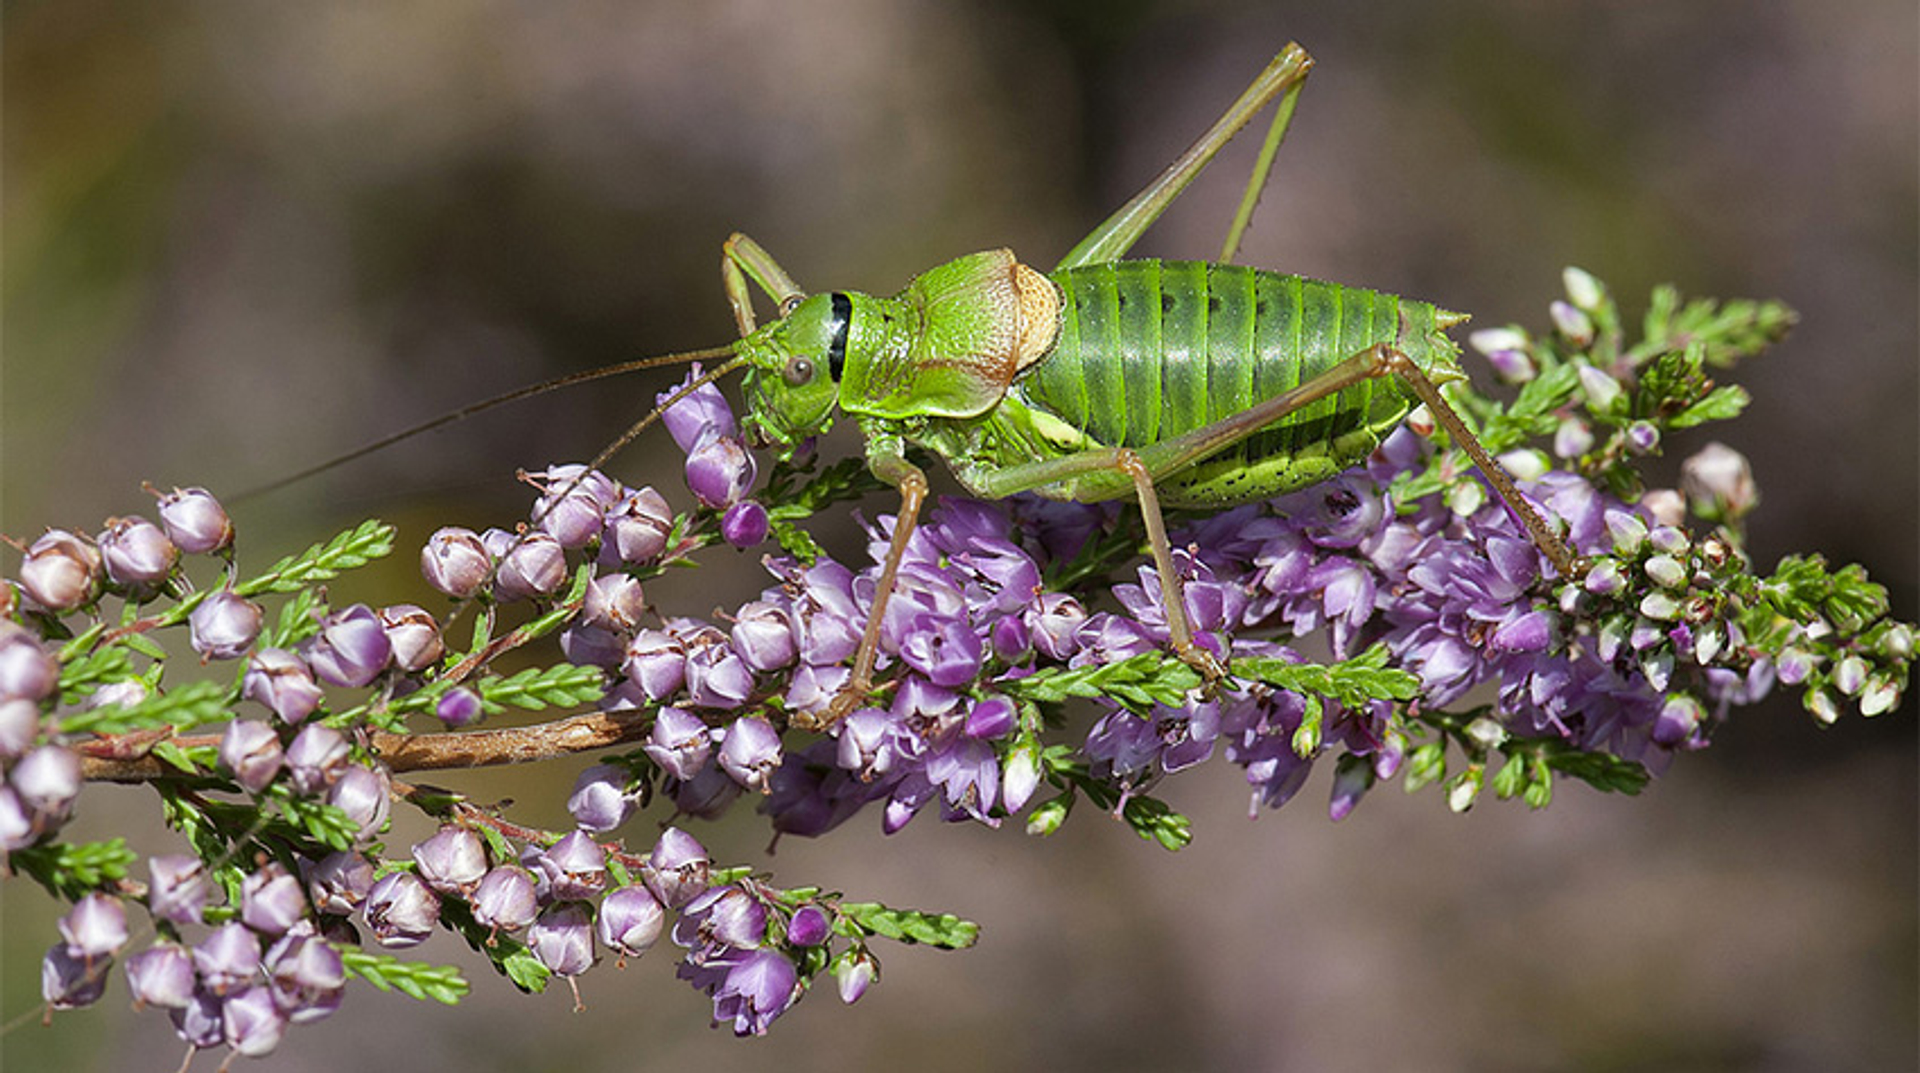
(557, 382)
(653, 415)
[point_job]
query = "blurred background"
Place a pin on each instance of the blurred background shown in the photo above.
(240, 238)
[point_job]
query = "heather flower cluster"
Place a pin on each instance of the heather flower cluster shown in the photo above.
(1023, 667)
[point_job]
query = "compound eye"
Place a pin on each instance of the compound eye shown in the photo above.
(791, 303)
(799, 371)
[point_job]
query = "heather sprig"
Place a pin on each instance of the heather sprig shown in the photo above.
(1023, 668)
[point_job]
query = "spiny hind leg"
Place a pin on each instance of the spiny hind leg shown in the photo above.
(1105, 473)
(1117, 233)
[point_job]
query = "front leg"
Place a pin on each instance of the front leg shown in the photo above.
(741, 259)
(886, 458)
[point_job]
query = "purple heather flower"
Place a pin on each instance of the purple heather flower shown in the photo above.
(456, 562)
(227, 958)
(1512, 366)
(1020, 776)
(401, 910)
(199, 1021)
(351, 649)
(809, 797)
(750, 752)
(1055, 621)
(680, 742)
(676, 870)
(27, 669)
(61, 571)
(1719, 483)
(19, 726)
(657, 663)
(339, 882)
(1572, 438)
(459, 707)
(308, 977)
(636, 529)
(17, 827)
(707, 795)
(47, 779)
(250, 1022)
(745, 525)
(993, 717)
(614, 603)
(1010, 639)
(561, 938)
(413, 635)
(572, 507)
(720, 471)
(224, 626)
(759, 987)
(827, 625)
(362, 793)
(1679, 720)
(1351, 780)
(867, 743)
(161, 975)
(69, 980)
(630, 920)
(1575, 325)
(452, 860)
(721, 917)
(601, 800)
(574, 868)
(137, 552)
(506, 899)
(531, 564)
(854, 973)
(250, 751)
(813, 688)
(195, 521)
(763, 636)
(177, 888)
(702, 413)
(316, 758)
(125, 693)
(946, 650)
(271, 900)
(716, 675)
(809, 926)
(278, 679)
(591, 646)
(1643, 437)
(95, 927)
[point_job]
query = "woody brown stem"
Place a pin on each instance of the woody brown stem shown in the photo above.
(570, 736)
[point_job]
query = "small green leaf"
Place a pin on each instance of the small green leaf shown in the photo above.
(441, 983)
(350, 550)
(188, 706)
(1137, 682)
(1719, 404)
(71, 869)
(1156, 821)
(1426, 764)
(561, 686)
(943, 930)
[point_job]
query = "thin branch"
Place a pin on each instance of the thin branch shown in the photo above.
(415, 752)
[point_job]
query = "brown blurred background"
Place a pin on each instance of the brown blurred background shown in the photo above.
(241, 237)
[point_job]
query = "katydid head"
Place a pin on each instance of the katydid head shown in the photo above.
(793, 371)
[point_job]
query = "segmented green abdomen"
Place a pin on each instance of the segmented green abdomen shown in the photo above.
(1152, 349)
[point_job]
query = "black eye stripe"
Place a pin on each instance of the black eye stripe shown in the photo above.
(837, 348)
